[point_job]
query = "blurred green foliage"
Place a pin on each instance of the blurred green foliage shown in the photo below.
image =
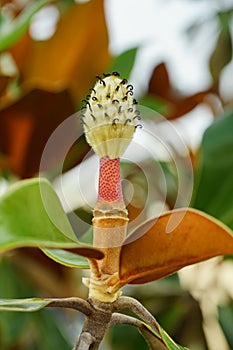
(214, 180)
(29, 331)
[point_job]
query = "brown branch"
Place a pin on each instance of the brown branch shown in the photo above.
(138, 309)
(84, 342)
(100, 316)
(72, 303)
(118, 318)
(95, 325)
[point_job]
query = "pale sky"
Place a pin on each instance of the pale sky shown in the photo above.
(158, 28)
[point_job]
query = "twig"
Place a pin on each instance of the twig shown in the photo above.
(118, 318)
(95, 325)
(153, 339)
(138, 309)
(84, 342)
(72, 303)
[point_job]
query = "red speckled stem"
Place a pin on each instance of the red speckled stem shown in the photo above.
(110, 216)
(110, 180)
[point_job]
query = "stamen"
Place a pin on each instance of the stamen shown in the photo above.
(130, 92)
(124, 81)
(87, 104)
(138, 126)
(82, 121)
(101, 80)
(137, 117)
(114, 121)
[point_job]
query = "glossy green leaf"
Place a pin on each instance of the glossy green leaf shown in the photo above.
(13, 31)
(23, 305)
(164, 245)
(124, 63)
(214, 185)
(171, 345)
(31, 215)
(87, 237)
(66, 258)
(158, 341)
(153, 340)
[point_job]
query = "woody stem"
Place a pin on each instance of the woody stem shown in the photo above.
(110, 216)
(109, 225)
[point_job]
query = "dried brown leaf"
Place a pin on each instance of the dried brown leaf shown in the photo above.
(76, 52)
(176, 239)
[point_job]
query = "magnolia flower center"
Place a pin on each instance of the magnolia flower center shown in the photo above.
(110, 116)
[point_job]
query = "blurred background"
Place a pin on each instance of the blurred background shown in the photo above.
(178, 56)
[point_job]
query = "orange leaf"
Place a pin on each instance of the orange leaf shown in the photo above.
(178, 105)
(3, 84)
(76, 52)
(176, 239)
(26, 125)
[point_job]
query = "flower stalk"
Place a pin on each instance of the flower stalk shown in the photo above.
(110, 120)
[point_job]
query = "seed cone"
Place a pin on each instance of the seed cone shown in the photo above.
(111, 116)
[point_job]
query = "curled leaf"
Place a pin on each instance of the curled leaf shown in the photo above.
(158, 342)
(174, 240)
(153, 340)
(66, 258)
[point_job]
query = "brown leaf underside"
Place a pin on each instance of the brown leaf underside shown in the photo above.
(193, 237)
